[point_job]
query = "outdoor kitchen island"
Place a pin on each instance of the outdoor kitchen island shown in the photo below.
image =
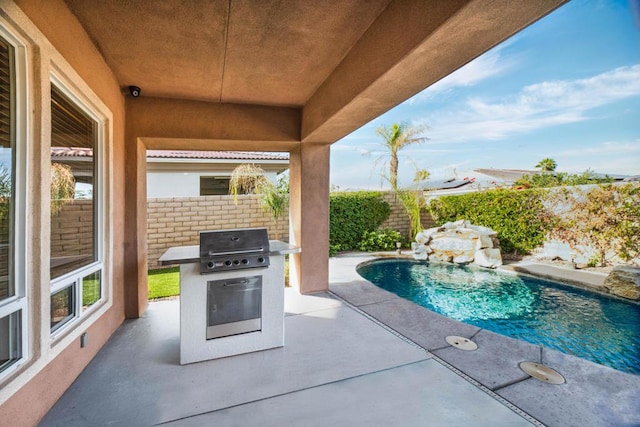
(231, 293)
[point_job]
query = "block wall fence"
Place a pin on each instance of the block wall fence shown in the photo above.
(177, 221)
(72, 229)
(398, 219)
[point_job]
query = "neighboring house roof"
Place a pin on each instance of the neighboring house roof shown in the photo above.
(213, 161)
(510, 175)
(71, 152)
(214, 155)
(181, 160)
(506, 174)
(446, 184)
(174, 154)
(613, 176)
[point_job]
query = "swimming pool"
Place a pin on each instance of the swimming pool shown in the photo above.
(596, 327)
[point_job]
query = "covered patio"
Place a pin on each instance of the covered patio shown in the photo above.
(355, 355)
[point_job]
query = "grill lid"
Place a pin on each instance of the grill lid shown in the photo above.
(231, 242)
(222, 250)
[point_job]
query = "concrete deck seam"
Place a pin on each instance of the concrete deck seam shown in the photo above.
(475, 333)
(510, 383)
(440, 348)
(490, 392)
(380, 324)
(290, 392)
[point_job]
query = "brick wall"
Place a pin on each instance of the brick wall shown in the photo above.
(177, 221)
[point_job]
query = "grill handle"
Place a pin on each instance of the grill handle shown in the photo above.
(247, 251)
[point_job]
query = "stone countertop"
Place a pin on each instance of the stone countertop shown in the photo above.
(191, 254)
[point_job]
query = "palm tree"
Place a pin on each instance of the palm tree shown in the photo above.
(274, 198)
(396, 137)
(547, 165)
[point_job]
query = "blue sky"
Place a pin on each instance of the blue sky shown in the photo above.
(567, 87)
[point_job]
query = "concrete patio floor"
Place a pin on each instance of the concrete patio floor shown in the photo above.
(356, 355)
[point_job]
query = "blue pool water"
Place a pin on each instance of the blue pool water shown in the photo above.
(602, 329)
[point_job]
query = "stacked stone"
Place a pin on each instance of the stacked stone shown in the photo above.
(459, 242)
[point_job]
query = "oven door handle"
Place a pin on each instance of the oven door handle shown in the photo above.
(242, 282)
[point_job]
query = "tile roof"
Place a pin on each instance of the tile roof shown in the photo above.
(232, 155)
(177, 154)
(71, 151)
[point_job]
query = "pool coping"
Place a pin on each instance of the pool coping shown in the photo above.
(593, 394)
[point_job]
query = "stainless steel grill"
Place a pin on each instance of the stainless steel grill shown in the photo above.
(237, 249)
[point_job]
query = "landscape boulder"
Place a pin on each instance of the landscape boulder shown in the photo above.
(459, 242)
(488, 257)
(624, 281)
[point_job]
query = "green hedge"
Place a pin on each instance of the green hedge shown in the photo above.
(351, 214)
(519, 217)
(380, 240)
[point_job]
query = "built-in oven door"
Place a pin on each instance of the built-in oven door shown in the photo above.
(234, 306)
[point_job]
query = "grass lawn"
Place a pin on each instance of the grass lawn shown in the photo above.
(90, 289)
(164, 282)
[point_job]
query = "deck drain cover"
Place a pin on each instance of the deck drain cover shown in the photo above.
(461, 342)
(542, 372)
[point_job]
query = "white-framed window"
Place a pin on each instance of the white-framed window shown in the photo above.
(13, 125)
(77, 205)
(214, 185)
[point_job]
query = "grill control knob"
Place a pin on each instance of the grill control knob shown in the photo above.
(245, 261)
(236, 262)
(261, 260)
(210, 264)
(227, 263)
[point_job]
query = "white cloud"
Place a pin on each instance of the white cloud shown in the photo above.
(615, 157)
(489, 65)
(534, 107)
(609, 147)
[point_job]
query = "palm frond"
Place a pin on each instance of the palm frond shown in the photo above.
(63, 185)
(246, 178)
(274, 198)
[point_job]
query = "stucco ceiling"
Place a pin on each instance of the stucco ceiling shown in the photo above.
(340, 63)
(248, 51)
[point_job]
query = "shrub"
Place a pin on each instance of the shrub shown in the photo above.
(558, 179)
(380, 240)
(351, 214)
(605, 218)
(519, 217)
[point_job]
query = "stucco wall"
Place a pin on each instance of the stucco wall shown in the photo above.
(183, 184)
(58, 44)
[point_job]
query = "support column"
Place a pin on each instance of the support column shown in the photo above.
(309, 217)
(135, 249)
